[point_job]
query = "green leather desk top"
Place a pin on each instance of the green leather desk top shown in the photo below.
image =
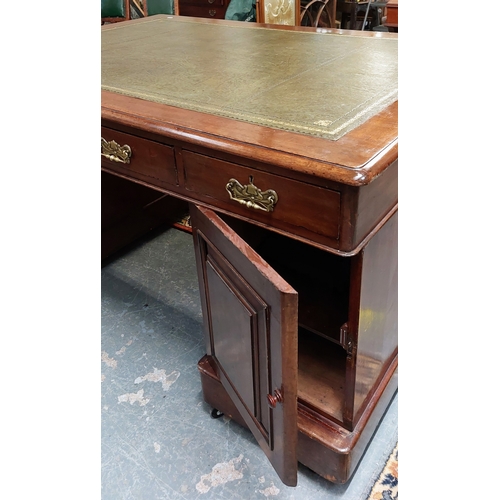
(320, 84)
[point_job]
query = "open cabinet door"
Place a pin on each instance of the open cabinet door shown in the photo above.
(250, 321)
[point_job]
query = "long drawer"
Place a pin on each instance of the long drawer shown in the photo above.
(276, 201)
(138, 158)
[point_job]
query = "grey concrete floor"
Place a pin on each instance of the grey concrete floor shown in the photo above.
(157, 438)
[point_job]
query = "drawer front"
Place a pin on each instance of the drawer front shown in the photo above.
(300, 208)
(207, 11)
(207, 4)
(138, 158)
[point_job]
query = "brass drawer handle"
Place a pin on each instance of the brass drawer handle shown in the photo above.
(251, 196)
(211, 1)
(212, 12)
(114, 152)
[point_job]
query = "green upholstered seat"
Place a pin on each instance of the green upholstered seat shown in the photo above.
(112, 8)
(241, 10)
(160, 7)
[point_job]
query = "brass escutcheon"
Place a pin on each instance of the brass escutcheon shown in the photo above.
(114, 152)
(251, 196)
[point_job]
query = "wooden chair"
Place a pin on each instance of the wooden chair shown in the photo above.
(113, 11)
(278, 12)
(355, 14)
(319, 13)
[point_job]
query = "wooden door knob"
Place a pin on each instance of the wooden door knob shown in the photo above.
(273, 400)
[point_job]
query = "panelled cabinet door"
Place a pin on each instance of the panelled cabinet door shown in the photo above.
(250, 320)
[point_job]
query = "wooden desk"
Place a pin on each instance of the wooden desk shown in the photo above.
(284, 144)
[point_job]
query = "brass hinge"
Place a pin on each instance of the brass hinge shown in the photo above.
(346, 339)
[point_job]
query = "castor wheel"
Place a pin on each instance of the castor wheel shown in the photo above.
(216, 413)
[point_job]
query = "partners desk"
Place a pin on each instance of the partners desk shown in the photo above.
(282, 143)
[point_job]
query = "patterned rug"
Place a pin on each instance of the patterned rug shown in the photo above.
(386, 486)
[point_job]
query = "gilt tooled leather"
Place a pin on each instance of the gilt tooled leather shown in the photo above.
(320, 84)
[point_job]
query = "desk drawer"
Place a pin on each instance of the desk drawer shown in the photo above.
(207, 4)
(138, 158)
(203, 8)
(208, 11)
(300, 208)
